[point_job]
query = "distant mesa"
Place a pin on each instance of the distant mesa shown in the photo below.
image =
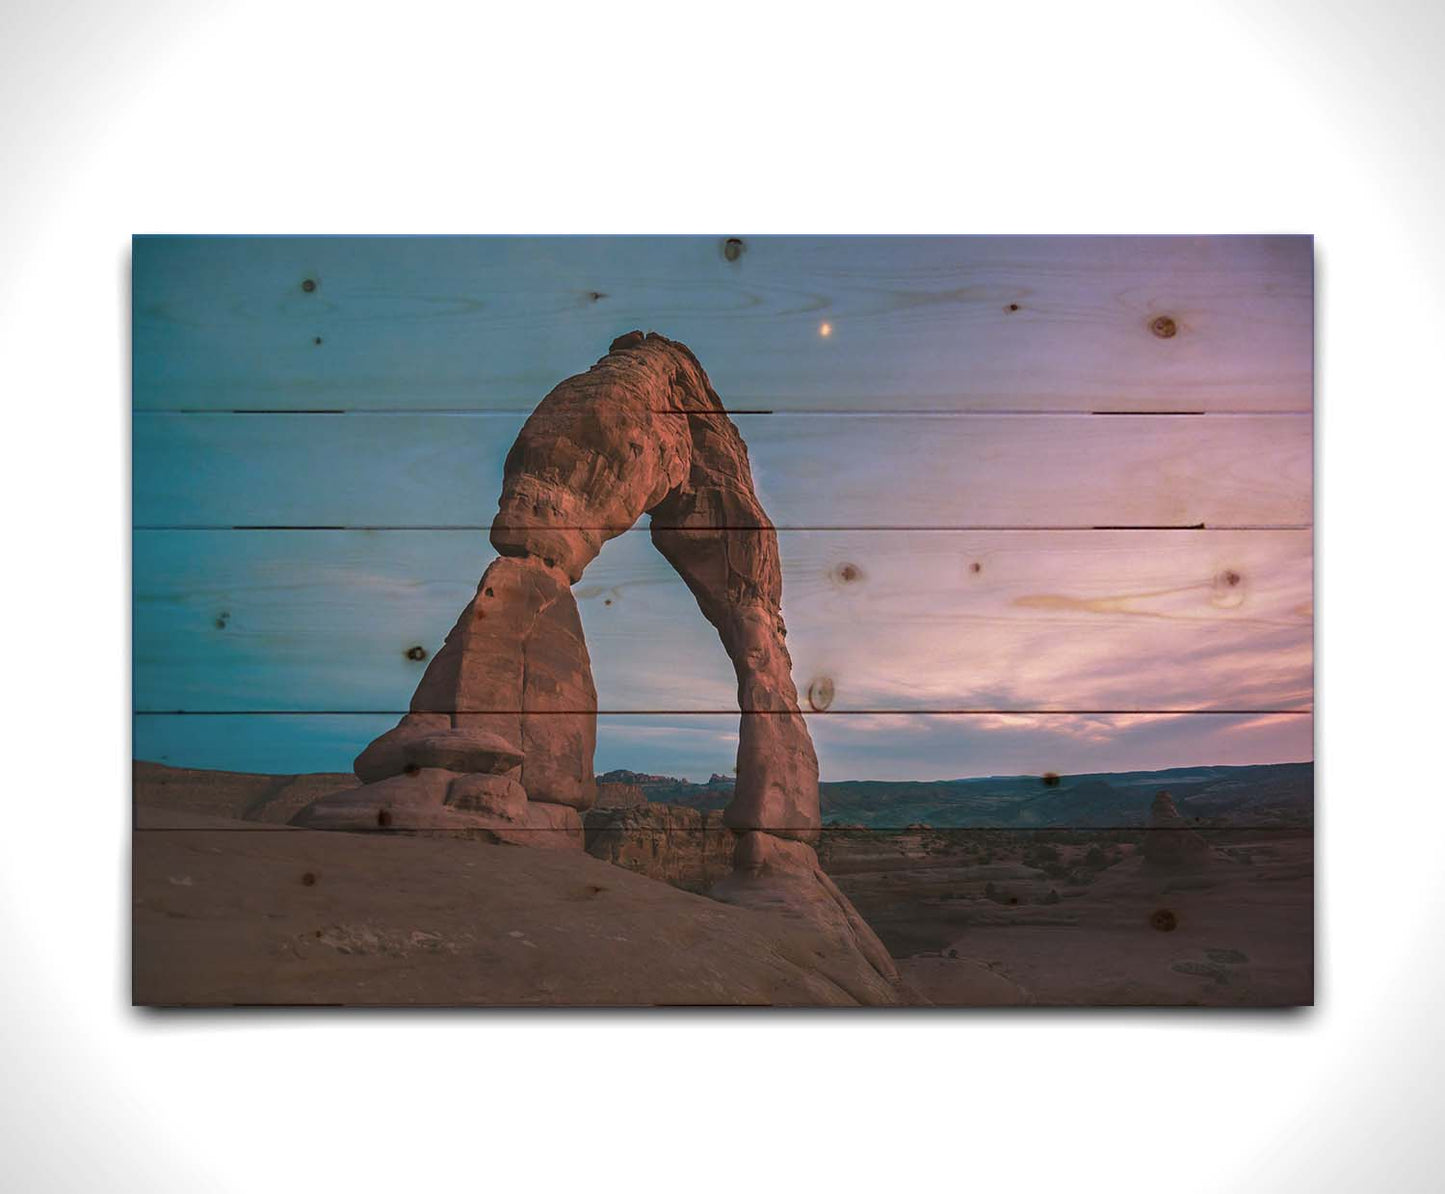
(661, 788)
(612, 795)
(636, 777)
(1270, 795)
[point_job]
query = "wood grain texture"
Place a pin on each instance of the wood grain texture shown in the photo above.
(444, 470)
(913, 323)
(952, 435)
(913, 620)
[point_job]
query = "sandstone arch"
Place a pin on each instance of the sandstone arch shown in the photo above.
(502, 728)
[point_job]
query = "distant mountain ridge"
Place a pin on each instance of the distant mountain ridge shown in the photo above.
(1268, 794)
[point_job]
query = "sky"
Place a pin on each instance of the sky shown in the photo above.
(950, 652)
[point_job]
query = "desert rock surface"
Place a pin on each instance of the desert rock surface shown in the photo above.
(971, 918)
(682, 846)
(1080, 918)
(253, 912)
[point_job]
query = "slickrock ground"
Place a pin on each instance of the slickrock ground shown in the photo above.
(295, 916)
(237, 912)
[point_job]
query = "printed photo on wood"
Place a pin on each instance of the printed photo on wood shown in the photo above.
(723, 621)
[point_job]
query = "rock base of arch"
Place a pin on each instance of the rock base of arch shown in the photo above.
(774, 874)
(434, 800)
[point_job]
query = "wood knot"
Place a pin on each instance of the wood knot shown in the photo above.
(308, 879)
(1011, 308)
(820, 694)
(1163, 919)
(1228, 589)
(975, 567)
(1163, 327)
(416, 654)
(308, 285)
(626, 340)
(847, 572)
(733, 248)
(223, 619)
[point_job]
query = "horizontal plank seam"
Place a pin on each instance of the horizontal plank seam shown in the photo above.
(273, 827)
(809, 412)
(883, 412)
(641, 528)
(922, 712)
(470, 526)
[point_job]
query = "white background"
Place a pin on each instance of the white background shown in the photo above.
(753, 117)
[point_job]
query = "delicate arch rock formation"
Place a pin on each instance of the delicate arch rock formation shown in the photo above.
(502, 727)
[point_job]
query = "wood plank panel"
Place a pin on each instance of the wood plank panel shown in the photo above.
(826, 471)
(864, 747)
(921, 323)
(942, 620)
